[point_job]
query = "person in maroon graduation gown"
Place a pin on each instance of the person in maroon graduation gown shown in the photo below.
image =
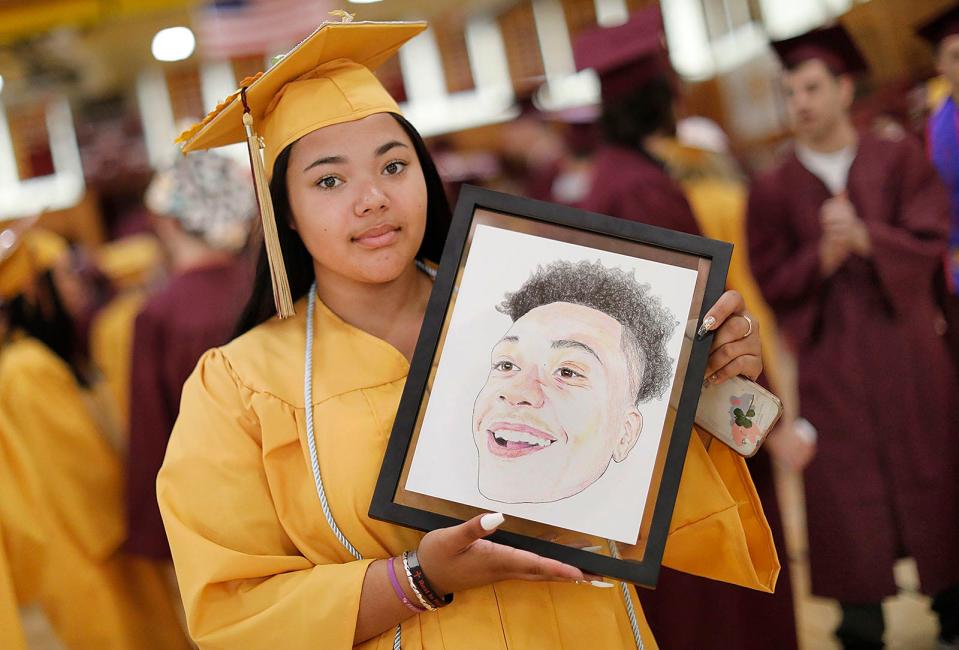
(202, 210)
(629, 182)
(637, 85)
(846, 235)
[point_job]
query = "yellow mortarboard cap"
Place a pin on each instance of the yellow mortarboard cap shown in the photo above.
(327, 79)
(24, 253)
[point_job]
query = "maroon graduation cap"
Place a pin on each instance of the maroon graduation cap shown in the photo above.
(831, 45)
(627, 56)
(937, 28)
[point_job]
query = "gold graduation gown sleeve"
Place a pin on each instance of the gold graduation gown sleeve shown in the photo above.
(22, 539)
(11, 632)
(718, 529)
(43, 404)
(243, 582)
(65, 515)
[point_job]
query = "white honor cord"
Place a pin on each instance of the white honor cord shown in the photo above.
(425, 269)
(630, 610)
(311, 439)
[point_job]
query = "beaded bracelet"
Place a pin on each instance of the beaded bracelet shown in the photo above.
(399, 590)
(409, 576)
(421, 585)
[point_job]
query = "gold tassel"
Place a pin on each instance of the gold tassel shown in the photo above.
(281, 286)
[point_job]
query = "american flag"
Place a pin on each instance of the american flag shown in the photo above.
(229, 29)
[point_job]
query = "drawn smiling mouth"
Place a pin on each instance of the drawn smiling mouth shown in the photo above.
(513, 440)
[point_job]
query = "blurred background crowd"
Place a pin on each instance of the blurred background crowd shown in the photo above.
(119, 267)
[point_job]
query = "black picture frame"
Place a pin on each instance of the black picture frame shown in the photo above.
(716, 254)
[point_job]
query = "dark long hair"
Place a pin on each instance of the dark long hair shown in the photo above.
(299, 264)
(54, 327)
(648, 109)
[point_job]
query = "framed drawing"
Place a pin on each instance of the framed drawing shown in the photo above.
(555, 380)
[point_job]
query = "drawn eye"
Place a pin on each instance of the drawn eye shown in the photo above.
(569, 373)
(329, 182)
(505, 366)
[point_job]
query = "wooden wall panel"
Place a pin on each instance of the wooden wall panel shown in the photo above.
(451, 42)
(31, 141)
(580, 15)
(522, 48)
(247, 66)
(186, 98)
(883, 30)
(390, 75)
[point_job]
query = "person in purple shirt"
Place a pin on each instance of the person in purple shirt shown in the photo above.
(202, 209)
(942, 137)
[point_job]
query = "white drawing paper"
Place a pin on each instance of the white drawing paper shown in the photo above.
(537, 408)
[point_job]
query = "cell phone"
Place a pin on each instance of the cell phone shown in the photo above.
(739, 413)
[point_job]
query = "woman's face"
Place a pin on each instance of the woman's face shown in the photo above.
(358, 198)
(75, 294)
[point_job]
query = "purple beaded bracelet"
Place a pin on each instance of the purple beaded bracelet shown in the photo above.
(399, 590)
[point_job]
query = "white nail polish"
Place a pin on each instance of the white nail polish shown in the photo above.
(706, 326)
(600, 583)
(492, 520)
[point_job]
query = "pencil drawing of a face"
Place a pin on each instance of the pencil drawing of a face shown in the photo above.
(561, 401)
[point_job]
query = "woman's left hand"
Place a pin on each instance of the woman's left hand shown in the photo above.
(736, 348)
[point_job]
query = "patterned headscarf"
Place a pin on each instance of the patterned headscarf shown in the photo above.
(210, 195)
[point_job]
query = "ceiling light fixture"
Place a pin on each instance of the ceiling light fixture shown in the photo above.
(173, 44)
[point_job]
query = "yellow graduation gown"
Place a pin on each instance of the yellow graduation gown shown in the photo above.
(62, 516)
(259, 568)
(717, 198)
(21, 537)
(111, 348)
(11, 633)
(720, 209)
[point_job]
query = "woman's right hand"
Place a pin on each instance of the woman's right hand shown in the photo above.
(458, 558)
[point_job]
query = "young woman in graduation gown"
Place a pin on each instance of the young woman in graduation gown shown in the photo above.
(357, 203)
(61, 516)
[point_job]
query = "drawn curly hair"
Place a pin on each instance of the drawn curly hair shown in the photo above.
(647, 324)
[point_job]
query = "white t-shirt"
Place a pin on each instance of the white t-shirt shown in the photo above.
(831, 168)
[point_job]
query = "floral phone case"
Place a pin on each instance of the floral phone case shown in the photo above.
(739, 412)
